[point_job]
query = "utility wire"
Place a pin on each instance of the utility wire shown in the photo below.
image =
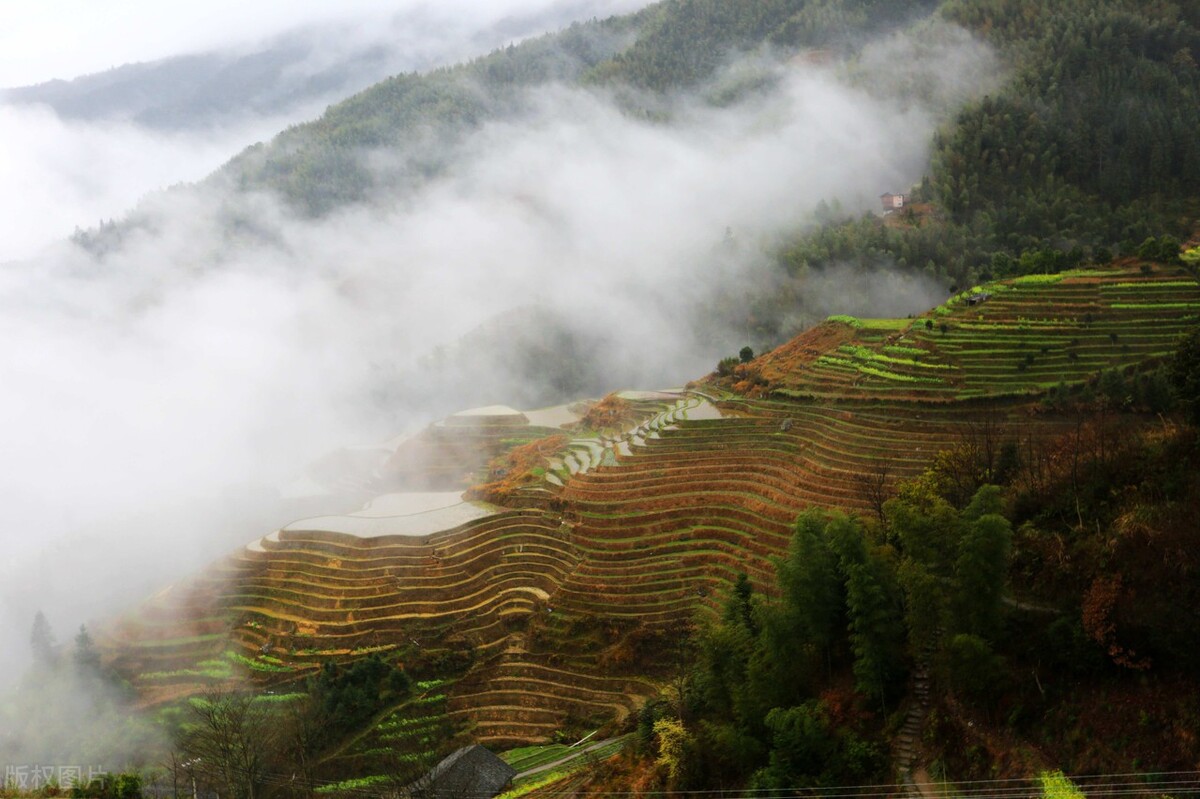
(1115, 784)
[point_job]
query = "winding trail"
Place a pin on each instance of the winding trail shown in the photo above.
(924, 784)
(914, 779)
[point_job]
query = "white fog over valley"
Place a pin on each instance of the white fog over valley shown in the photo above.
(80, 152)
(159, 395)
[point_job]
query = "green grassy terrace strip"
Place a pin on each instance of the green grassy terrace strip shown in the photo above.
(1013, 338)
(355, 785)
(1038, 280)
(206, 669)
(279, 699)
(524, 758)
(893, 349)
(1148, 286)
(887, 375)
(867, 354)
(532, 757)
(418, 728)
(873, 325)
(259, 664)
(633, 531)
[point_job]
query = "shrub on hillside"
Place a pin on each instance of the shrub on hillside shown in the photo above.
(110, 786)
(1184, 374)
(1163, 250)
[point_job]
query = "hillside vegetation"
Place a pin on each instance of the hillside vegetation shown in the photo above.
(959, 543)
(569, 610)
(1087, 150)
(671, 46)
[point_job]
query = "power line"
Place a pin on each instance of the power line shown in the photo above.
(1114, 784)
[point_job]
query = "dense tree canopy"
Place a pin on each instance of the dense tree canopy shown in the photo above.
(1185, 375)
(850, 599)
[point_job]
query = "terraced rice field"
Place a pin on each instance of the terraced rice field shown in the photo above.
(565, 603)
(451, 455)
(676, 520)
(1028, 335)
(405, 740)
(538, 766)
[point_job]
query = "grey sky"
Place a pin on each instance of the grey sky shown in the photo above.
(57, 174)
(40, 41)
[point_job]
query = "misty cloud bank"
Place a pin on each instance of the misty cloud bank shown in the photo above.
(75, 723)
(60, 175)
(156, 396)
(45, 41)
(80, 152)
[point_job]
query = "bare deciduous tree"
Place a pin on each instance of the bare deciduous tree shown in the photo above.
(875, 487)
(230, 743)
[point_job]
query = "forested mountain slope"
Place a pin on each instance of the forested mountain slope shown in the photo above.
(1088, 149)
(1085, 151)
(564, 606)
(300, 70)
(951, 540)
(647, 58)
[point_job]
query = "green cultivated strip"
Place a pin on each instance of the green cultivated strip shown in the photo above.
(1038, 280)
(867, 354)
(885, 324)
(523, 786)
(259, 665)
(901, 378)
(1148, 285)
(528, 757)
(357, 784)
(896, 349)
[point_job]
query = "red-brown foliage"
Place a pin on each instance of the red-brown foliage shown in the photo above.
(514, 469)
(1099, 603)
(610, 413)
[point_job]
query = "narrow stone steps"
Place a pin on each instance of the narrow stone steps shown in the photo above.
(906, 744)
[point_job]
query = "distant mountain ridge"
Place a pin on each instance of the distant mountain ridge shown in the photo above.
(206, 88)
(291, 72)
(646, 58)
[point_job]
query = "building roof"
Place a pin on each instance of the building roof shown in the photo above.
(472, 772)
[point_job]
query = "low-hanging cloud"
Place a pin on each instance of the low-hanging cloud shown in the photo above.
(59, 172)
(69, 723)
(65, 38)
(59, 175)
(157, 395)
